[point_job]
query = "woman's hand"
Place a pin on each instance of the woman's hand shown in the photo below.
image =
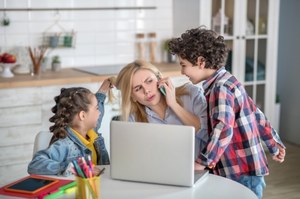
(170, 91)
(186, 117)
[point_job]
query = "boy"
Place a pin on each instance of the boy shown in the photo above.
(235, 125)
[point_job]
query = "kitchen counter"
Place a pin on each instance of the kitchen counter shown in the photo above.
(71, 75)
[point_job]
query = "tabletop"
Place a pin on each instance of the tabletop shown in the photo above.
(210, 187)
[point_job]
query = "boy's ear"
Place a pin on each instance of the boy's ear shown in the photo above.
(200, 62)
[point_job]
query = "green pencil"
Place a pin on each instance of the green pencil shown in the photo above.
(72, 184)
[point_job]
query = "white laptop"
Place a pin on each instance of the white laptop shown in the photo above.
(153, 153)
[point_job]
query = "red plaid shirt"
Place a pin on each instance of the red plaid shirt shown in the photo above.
(235, 127)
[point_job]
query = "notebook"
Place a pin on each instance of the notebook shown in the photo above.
(153, 153)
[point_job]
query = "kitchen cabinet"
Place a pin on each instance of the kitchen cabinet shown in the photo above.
(250, 29)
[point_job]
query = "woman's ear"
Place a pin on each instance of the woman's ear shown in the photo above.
(133, 99)
(200, 62)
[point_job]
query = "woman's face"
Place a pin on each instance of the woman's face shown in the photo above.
(145, 88)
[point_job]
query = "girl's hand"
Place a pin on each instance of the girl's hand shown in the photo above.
(106, 85)
(96, 171)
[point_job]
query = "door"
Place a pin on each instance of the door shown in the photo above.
(247, 27)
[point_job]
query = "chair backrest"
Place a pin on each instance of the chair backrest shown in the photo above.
(41, 141)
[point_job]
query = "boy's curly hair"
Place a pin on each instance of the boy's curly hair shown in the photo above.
(200, 42)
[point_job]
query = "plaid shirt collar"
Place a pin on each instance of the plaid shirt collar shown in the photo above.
(209, 82)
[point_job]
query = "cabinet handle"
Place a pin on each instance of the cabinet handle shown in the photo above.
(238, 37)
(243, 37)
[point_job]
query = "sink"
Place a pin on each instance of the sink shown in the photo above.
(102, 69)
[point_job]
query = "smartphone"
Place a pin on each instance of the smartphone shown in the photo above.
(162, 90)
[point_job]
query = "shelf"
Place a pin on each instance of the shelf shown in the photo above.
(78, 9)
(59, 40)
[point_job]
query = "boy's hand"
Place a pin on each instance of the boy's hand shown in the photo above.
(280, 156)
(198, 167)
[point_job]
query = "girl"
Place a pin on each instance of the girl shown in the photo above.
(142, 100)
(77, 117)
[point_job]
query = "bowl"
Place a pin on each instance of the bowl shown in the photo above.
(6, 72)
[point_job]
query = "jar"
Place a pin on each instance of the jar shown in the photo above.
(140, 46)
(152, 47)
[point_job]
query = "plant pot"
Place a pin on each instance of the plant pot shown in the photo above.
(56, 67)
(53, 41)
(171, 58)
(68, 40)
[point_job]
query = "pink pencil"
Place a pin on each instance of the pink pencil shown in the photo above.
(91, 164)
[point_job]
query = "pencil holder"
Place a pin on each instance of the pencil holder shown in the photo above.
(88, 188)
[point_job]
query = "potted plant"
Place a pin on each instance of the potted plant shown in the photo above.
(169, 57)
(56, 63)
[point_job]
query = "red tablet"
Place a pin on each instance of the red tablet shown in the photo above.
(31, 184)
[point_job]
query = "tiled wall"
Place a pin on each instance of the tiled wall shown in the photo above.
(102, 36)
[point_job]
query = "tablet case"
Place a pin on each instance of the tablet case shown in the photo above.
(40, 194)
(30, 184)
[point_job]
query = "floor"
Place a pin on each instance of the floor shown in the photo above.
(284, 178)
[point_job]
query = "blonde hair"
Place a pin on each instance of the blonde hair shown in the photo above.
(124, 84)
(111, 97)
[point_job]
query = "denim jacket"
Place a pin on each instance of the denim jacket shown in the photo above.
(56, 159)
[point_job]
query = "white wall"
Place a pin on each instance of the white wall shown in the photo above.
(183, 21)
(289, 70)
(103, 36)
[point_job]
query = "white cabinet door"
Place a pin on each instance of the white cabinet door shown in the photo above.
(250, 29)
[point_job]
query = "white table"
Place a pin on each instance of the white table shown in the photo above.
(211, 187)
(208, 188)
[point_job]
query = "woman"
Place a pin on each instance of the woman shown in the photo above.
(142, 100)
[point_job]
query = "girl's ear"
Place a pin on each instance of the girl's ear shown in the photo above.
(81, 115)
(200, 62)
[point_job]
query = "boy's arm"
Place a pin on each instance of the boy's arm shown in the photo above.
(267, 133)
(222, 117)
